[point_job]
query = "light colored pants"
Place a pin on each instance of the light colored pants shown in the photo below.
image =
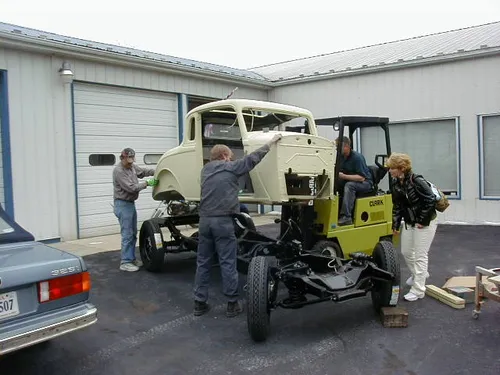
(415, 245)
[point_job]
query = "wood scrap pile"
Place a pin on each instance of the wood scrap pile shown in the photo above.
(457, 291)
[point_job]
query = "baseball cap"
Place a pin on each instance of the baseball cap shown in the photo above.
(128, 153)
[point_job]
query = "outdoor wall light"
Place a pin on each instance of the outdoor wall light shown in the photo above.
(65, 72)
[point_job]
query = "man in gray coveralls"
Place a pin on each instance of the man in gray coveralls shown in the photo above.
(218, 203)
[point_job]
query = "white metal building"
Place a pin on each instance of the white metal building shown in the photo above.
(62, 133)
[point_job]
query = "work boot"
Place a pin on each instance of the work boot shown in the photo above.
(345, 221)
(200, 308)
(233, 309)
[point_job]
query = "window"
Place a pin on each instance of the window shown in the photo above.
(192, 129)
(152, 158)
(489, 140)
(431, 144)
(257, 119)
(222, 131)
(97, 160)
(221, 124)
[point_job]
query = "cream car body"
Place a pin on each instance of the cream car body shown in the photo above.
(298, 168)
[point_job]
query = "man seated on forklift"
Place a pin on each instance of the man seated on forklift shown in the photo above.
(354, 177)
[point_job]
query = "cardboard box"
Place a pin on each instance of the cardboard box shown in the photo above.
(468, 282)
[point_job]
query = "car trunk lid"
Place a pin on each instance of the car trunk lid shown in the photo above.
(30, 262)
(22, 267)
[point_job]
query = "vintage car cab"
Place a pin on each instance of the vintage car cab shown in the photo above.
(298, 168)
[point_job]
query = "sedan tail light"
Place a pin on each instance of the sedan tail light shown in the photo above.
(65, 286)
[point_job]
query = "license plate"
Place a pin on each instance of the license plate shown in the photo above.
(8, 305)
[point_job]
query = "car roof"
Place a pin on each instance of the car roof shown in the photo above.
(10, 231)
(240, 103)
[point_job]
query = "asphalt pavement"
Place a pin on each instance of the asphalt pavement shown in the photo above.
(146, 326)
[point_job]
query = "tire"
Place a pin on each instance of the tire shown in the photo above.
(386, 258)
(328, 248)
(258, 307)
(151, 250)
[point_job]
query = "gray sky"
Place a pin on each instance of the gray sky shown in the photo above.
(244, 34)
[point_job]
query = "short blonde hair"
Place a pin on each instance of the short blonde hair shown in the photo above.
(219, 151)
(399, 161)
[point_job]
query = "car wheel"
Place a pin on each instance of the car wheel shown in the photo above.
(151, 246)
(260, 288)
(386, 293)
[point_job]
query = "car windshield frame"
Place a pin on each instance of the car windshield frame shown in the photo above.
(262, 119)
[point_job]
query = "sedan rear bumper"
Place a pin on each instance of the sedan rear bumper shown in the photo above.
(52, 328)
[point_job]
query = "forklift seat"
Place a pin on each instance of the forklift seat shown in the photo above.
(377, 175)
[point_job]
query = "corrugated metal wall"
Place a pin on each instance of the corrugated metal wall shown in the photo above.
(41, 128)
(463, 88)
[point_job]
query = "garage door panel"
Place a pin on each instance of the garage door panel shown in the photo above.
(104, 204)
(114, 115)
(89, 144)
(92, 128)
(89, 176)
(109, 219)
(82, 159)
(118, 92)
(95, 190)
(107, 119)
(100, 231)
(125, 101)
(94, 175)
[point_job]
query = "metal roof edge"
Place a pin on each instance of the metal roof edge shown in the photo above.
(423, 36)
(387, 67)
(29, 43)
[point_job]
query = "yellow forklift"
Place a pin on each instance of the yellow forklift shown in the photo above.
(372, 216)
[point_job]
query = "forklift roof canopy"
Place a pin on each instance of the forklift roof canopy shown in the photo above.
(356, 121)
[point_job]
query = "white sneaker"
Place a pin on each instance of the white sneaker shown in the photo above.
(138, 263)
(412, 297)
(129, 267)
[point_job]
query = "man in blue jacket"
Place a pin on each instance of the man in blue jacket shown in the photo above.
(355, 176)
(218, 203)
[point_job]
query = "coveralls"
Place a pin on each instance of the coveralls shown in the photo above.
(218, 203)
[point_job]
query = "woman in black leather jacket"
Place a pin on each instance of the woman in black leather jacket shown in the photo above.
(414, 202)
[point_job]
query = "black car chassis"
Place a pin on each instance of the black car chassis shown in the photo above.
(309, 276)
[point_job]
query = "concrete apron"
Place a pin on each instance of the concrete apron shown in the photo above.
(88, 246)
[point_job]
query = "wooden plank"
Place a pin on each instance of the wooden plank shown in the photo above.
(445, 297)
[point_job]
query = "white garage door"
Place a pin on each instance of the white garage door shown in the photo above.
(108, 119)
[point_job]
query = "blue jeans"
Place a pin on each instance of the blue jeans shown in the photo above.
(216, 235)
(127, 217)
(350, 190)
